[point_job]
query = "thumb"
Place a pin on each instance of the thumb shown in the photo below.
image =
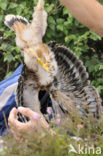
(13, 114)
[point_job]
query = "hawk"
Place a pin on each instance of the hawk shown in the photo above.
(50, 67)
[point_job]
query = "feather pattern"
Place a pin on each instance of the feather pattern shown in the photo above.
(72, 81)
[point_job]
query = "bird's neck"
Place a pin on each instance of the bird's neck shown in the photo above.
(44, 77)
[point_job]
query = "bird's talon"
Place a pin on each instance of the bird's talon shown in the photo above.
(44, 65)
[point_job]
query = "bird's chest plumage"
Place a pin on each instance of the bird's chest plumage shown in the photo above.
(35, 80)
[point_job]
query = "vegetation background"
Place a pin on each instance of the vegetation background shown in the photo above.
(62, 27)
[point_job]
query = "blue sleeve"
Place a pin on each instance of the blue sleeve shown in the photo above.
(7, 97)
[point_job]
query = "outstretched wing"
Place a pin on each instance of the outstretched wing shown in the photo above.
(19, 25)
(72, 81)
(16, 23)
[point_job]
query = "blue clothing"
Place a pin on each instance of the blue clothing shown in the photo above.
(7, 97)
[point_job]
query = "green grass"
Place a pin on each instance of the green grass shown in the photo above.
(45, 144)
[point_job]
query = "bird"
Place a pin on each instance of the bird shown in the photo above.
(53, 68)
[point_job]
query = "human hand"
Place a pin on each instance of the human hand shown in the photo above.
(36, 122)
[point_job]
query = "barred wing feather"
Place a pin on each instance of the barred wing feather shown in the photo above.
(72, 81)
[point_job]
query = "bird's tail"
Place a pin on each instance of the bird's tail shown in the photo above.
(39, 22)
(15, 23)
(93, 100)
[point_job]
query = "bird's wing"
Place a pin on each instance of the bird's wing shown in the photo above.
(72, 81)
(21, 27)
(16, 23)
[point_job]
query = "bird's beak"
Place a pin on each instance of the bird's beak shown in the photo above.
(44, 65)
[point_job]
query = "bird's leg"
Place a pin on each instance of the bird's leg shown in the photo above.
(40, 5)
(30, 96)
(40, 59)
(39, 22)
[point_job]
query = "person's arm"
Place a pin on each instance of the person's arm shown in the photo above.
(88, 12)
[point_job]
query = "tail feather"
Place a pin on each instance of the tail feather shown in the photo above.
(93, 99)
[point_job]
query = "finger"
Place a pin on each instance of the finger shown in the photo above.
(16, 135)
(44, 123)
(18, 126)
(12, 115)
(28, 112)
(13, 120)
(34, 117)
